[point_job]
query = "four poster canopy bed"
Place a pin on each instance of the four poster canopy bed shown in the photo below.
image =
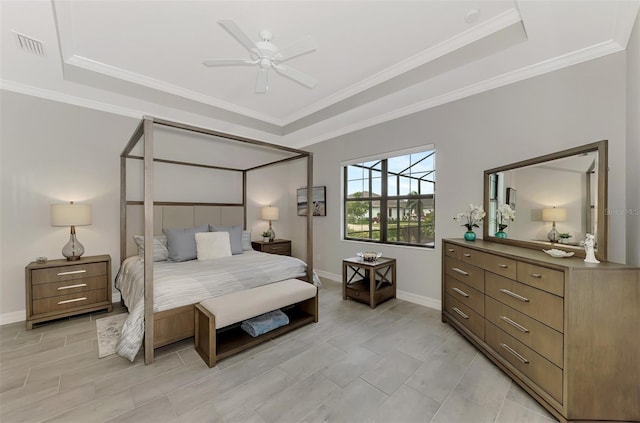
(176, 254)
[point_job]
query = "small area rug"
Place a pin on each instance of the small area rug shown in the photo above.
(108, 329)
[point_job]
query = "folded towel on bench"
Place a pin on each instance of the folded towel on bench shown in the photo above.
(264, 323)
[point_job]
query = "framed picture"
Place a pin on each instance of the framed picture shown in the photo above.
(511, 197)
(319, 198)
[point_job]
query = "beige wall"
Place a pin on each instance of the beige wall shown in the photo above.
(54, 152)
(563, 109)
(633, 146)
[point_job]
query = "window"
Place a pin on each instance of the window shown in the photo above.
(391, 200)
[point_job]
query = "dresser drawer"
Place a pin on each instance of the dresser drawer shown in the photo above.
(541, 277)
(465, 315)
(495, 264)
(542, 306)
(452, 250)
(69, 301)
(540, 338)
(541, 371)
(465, 272)
(66, 273)
(54, 289)
(465, 294)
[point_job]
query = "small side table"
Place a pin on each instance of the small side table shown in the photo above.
(369, 282)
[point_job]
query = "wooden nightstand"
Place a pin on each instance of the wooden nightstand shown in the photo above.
(61, 288)
(277, 246)
(370, 282)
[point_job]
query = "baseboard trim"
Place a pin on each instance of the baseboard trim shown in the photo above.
(20, 315)
(402, 295)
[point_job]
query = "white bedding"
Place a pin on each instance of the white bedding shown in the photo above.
(189, 282)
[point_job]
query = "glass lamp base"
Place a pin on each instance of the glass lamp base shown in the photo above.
(73, 250)
(272, 234)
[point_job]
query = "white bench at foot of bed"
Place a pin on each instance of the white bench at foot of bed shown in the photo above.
(216, 330)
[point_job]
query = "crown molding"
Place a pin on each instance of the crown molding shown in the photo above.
(579, 56)
(69, 99)
(135, 78)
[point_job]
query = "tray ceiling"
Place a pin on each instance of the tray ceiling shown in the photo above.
(375, 60)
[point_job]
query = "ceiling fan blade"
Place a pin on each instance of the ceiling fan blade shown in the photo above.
(227, 62)
(262, 81)
(302, 46)
(296, 75)
(235, 31)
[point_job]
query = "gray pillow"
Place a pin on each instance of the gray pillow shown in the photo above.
(235, 236)
(246, 241)
(160, 252)
(181, 243)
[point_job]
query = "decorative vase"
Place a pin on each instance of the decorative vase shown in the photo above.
(265, 239)
(470, 235)
(501, 234)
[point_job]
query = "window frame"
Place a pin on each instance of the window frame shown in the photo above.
(384, 198)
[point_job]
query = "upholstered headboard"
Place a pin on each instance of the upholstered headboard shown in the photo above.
(179, 217)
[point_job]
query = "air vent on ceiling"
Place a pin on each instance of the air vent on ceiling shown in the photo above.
(30, 45)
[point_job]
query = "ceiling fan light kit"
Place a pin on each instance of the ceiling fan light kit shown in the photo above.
(267, 56)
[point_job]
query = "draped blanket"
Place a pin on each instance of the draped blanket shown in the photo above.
(189, 282)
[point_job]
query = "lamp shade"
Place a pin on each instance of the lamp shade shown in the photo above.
(270, 213)
(70, 214)
(555, 214)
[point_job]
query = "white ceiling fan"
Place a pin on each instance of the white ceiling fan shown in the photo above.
(266, 55)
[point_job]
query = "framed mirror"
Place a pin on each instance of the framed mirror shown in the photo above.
(557, 198)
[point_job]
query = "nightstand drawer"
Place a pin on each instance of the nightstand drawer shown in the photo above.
(65, 302)
(62, 288)
(55, 289)
(65, 273)
(284, 249)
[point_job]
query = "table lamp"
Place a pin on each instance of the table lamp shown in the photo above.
(270, 213)
(554, 215)
(71, 215)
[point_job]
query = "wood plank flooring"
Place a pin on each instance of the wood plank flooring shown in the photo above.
(397, 363)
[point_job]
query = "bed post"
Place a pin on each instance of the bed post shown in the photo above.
(148, 240)
(310, 217)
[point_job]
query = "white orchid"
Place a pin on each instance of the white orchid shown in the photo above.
(471, 217)
(505, 214)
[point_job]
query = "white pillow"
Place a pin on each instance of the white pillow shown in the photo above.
(212, 245)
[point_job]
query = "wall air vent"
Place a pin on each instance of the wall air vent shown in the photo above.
(30, 45)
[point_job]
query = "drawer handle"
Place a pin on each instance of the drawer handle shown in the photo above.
(457, 310)
(515, 325)
(515, 354)
(461, 292)
(79, 285)
(514, 295)
(462, 272)
(72, 301)
(451, 250)
(536, 275)
(73, 272)
(503, 266)
(467, 255)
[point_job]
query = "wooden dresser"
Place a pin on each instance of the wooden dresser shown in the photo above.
(567, 331)
(61, 288)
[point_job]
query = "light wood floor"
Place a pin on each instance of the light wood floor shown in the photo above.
(397, 363)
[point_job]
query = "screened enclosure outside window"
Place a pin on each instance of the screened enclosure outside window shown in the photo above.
(391, 200)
